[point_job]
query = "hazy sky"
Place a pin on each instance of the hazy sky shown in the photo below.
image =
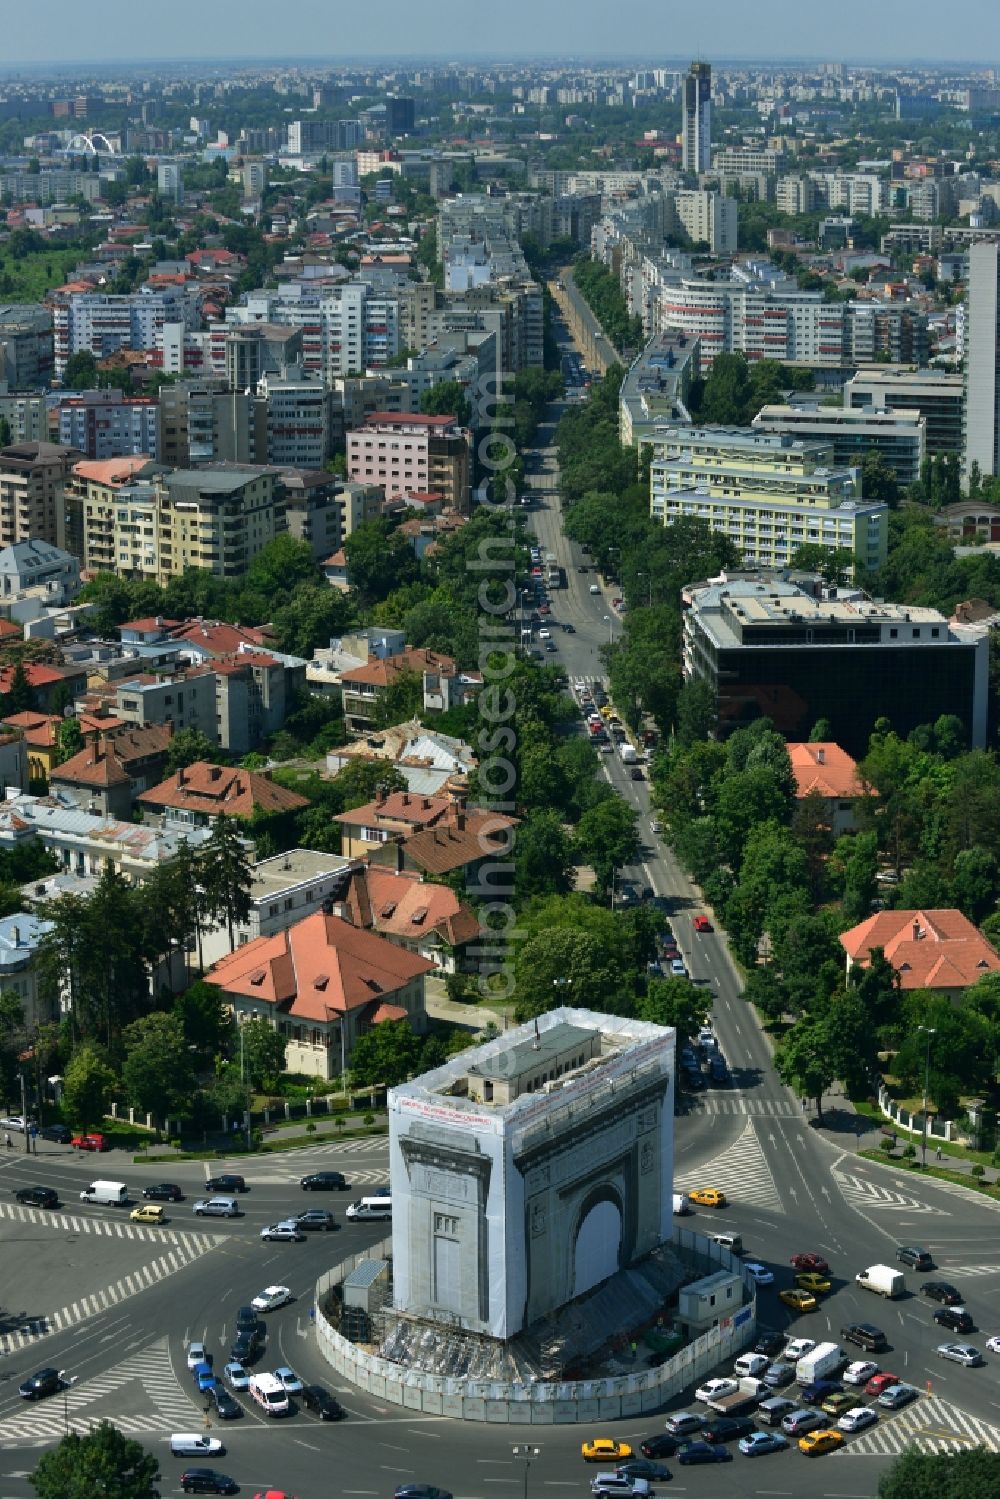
(64, 31)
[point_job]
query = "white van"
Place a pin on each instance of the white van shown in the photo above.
(681, 1205)
(371, 1208)
(270, 1394)
(110, 1194)
(195, 1444)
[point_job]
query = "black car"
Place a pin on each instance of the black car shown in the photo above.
(227, 1407)
(779, 1374)
(940, 1290)
(641, 1467)
(866, 1335)
(769, 1344)
(420, 1491)
(316, 1398)
(955, 1318)
(247, 1318)
(45, 1382)
(661, 1445)
(60, 1133)
(703, 1452)
(570, 629)
(248, 1345)
(727, 1429)
(207, 1481)
(693, 1079)
(323, 1181)
(163, 1192)
(227, 1182)
(820, 1390)
(37, 1197)
(316, 1219)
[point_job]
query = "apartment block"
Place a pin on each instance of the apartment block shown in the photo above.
(708, 218)
(102, 324)
(33, 477)
(937, 394)
(185, 700)
(314, 509)
(770, 494)
(298, 422)
(900, 436)
(656, 387)
(981, 424)
(25, 414)
(107, 424)
(414, 452)
(26, 346)
(771, 648)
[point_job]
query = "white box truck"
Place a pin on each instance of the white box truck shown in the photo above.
(823, 1359)
(110, 1194)
(628, 754)
(883, 1280)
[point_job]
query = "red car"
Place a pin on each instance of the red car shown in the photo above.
(702, 924)
(880, 1382)
(814, 1262)
(89, 1142)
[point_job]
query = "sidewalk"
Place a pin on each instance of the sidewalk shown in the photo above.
(843, 1126)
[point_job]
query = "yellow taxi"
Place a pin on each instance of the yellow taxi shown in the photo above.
(708, 1197)
(814, 1443)
(605, 1450)
(810, 1281)
(799, 1301)
(150, 1212)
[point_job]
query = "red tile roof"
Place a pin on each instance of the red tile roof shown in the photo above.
(825, 768)
(216, 637)
(406, 907)
(39, 729)
(450, 846)
(151, 623)
(215, 789)
(399, 806)
(928, 949)
(321, 966)
(37, 675)
(111, 470)
(381, 673)
(409, 419)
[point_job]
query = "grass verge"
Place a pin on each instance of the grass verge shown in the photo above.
(940, 1173)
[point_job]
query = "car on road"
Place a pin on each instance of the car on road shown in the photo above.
(860, 1372)
(288, 1379)
(149, 1212)
(287, 1232)
(61, 1134)
(760, 1274)
(838, 1402)
(228, 1181)
(604, 1450)
(661, 1445)
(641, 1467)
(814, 1443)
(880, 1382)
(678, 968)
(714, 1389)
(271, 1298)
(37, 1197)
(207, 1481)
(779, 1374)
(917, 1259)
(770, 1343)
(204, 1377)
(227, 1407)
(703, 1452)
(757, 1443)
(798, 1348)
(708, 1197)
(247, 1346)
(90, 1142)
(236, 1376)
(655, 825)
(246, 1318)
(316, 1220)
(954, 1318)
(798, 1421)
(594, 587)
(14, 1121)
(37, 1386)
(799, 1301)
(682, 1423)
(163, 1192)
(404, 1491)
(898, 1395)
(942, 1291)
(865, 1335)
(319, 1400)
(961, 1353)
(811, 1280)
(819, 1390)
(993, 1344)
(197, 1354)
(637, 773)
(727, 1429)
(857, 1418)
(702, 924)
(810, 1262)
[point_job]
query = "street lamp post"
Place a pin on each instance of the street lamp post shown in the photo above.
(246, 1090)
(930, 1031)
(611, 628)
(525, 1453)
(68, 1381)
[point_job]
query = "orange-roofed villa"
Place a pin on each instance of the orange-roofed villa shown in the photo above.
(937, 950)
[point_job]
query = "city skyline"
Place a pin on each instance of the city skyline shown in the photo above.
(774, 31)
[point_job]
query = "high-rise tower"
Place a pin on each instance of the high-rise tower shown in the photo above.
(697, 126)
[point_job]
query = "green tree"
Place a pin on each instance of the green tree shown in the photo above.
(225, 870)
(69, 740)
(379, 560)
(88, 1083)
(542, 856)
(972, 1474)
(101, 1462)
(878, 480)
(20, 696)
(158, 1072)
(804, 1058)
(401, 700)
(81, 371)
(262, 1049)
(446, 399)
(607, 838)
(676, 1002)
(566, 966)
(188, 747)
(389, 1053)
(205, 1017)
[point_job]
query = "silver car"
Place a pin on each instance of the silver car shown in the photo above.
(960, 1353)
(283, 1233)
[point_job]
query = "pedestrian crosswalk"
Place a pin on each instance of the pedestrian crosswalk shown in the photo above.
(929, 1425)
(739, 1103)
(149, 1371)
(283, 1170)
(948, 1269)
(872, 1196)
(179, 1250)
(741, 1171)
